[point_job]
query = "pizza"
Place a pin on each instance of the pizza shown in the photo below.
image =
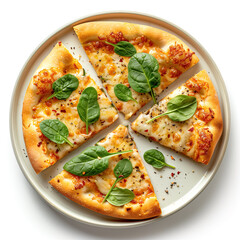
(63, 107)
(195, 137)
(37, 107)
(174, 57)
(89, 191)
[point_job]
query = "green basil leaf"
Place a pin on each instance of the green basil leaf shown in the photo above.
(64, 86)
(120, 196)
(88, 107)
(179, 108)
(123, 93)
(91, 161)
(55, 130)
(123, 169)
(143, 73)
(123, 48)
(156, 159)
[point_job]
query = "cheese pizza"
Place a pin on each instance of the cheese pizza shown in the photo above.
(172, 55)
(195, 137)
(61, 73)
(90, 191)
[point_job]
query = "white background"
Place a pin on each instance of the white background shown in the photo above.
(214, 213)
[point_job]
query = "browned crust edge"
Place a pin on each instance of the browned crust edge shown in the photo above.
(216, 124)
(90, 31)
(149, 209)
(58, 57)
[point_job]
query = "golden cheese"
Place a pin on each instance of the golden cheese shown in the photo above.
(43, 152)
(112, 69)
(193, 137)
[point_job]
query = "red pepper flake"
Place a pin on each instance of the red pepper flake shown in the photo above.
(121, 60)
(101, 195)
(48, 103)
(63, 111)
(178, 172)
(83, 173)
(60, 43)
(142, 176)
(80, 185)
(75, 142)
(172, 174)
(120, 176)
(172, 158)
(39, 144)
(88, 179)
(146, 130)
(191, 129)
(124, 180)
(57, 151)
(57, 114)
(54, 110)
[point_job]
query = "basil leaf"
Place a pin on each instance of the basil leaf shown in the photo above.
(123, 168)
(123, 93)
(64, 86)
(91, 161)
(179, 108)
(156, 159)
(55, 130)
(123, 48)
(143, 73)
(120, 196)
(88, 107)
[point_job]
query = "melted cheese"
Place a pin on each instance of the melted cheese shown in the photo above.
(103, 185)
(66, 111)
(112, 69)
(180, 136)
(138, 181)
(97, 186)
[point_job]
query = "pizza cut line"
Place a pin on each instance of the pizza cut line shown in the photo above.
(173, 55)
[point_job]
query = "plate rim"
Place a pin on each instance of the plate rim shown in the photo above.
(227, 120)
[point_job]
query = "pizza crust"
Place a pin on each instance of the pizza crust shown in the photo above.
(91, 31)
(63, 184)
(59, 57)
(91, 197)
(216, 124)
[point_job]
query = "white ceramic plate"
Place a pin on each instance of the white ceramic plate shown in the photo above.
(173, 192)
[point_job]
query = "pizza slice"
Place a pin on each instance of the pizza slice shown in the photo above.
(195, 137)
(61, 72)
(173, 56)
(90, 191)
